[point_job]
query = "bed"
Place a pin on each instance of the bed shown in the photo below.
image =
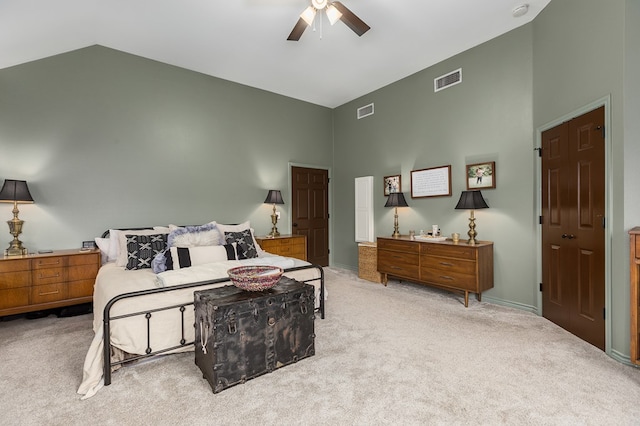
(144, 312)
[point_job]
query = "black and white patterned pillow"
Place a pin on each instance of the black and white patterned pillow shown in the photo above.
(245, 247)
(141, 249)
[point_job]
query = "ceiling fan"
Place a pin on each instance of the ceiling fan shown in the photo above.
(335, 11)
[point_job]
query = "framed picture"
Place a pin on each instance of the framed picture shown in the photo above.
(433, 182)
(392, 184)
(481, 175)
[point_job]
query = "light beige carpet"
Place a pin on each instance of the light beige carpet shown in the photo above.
(404, 354)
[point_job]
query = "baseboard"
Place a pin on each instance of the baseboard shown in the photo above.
(510, 304)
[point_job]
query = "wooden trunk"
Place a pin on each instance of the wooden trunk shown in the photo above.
(240, 335)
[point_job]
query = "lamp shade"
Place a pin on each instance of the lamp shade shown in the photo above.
(15, 191)
(274, 197)
(471, 200)
(396, 199)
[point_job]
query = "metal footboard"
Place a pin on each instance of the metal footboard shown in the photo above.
(182, 307)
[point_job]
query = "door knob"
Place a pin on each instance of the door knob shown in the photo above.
(294, 224)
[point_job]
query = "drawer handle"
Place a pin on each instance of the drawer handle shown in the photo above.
(48, 293)
(446, 264)
(56, 275)
(446, 277)
(395, 267)
(41, 263)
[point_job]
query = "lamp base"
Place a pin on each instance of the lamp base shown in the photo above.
(16, 249)
(472, 230)
(274, 221)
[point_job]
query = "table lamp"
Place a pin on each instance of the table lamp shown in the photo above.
(274, 197)
(471, 200)
(396, 200)
(16, 192)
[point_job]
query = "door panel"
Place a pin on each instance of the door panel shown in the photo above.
(573, 202)
(310, 211)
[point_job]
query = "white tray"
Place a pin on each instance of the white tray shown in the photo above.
(430, 238)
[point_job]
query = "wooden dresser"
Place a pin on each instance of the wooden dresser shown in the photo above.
(452, 266)
(634, 269)
(285, 245)
(44, 281)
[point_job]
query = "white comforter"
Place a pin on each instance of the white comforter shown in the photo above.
(129, 335)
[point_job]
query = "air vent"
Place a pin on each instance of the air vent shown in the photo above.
(365, 111)
(447, 80)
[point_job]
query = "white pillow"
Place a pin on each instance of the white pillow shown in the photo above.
(184, 257)
(121, 259)
(195, 236)
(239, 228)
(108, 253)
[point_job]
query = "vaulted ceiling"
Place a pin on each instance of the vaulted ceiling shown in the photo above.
(245, 40)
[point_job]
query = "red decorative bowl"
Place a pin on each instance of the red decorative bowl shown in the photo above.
(256, 277)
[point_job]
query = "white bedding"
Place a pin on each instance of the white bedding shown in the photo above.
(129, 335)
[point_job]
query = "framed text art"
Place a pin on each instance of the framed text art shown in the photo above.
(432, 182)
(481, 175)
(392, 184)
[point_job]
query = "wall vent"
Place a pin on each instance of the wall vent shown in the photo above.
(365, 111)
(447, 80)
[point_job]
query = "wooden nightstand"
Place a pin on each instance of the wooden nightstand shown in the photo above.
(44, 281)
(285, 245)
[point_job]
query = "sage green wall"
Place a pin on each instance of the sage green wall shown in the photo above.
(580, 52)
(107, 139)
(488, 117)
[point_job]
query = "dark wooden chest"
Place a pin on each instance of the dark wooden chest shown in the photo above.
(241, 334)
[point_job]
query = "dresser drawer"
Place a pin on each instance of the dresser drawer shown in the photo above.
(398, 245)
(49, 262)
(15, 279)
(48, 293)
(15, 265)
(435, 249)
(462, 266)
(82, 272)
(81, 288)
(15, 297)
(450, 279)
(48, 276)
(84, 259)
(401, 265)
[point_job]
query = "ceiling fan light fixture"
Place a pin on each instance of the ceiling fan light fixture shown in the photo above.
(333, 14)
(308, 15)
(319, 4)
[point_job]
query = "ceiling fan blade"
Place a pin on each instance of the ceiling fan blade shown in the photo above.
(351, 20)
(297, 31)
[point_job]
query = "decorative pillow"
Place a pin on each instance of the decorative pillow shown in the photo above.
(246, 246)
(184, 257)
(141, 249)
(239, 228)
(121, 240)
(158, 264)
(194, 236)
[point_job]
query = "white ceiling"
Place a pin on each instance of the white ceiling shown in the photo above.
(245, 40)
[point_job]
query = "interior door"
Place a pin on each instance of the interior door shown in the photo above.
(310, 211)
(573, 207)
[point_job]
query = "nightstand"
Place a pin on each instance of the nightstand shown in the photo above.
(37, 282)
(285, 245)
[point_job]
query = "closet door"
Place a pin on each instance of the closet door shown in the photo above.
(573, 202)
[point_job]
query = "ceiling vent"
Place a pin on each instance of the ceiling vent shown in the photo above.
(365, 111)
(447, 80)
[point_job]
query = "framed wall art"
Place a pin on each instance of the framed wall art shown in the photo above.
(392, 184)
(481, 175)
(432, 182)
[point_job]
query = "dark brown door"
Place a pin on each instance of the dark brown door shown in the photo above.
(573, 206)
(310, 211)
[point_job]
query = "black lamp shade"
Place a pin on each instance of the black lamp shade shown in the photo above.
(471, 200)
(15, 191)
(396, 199)
(274, 197)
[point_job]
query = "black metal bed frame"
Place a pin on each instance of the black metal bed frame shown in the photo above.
(148, 314)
